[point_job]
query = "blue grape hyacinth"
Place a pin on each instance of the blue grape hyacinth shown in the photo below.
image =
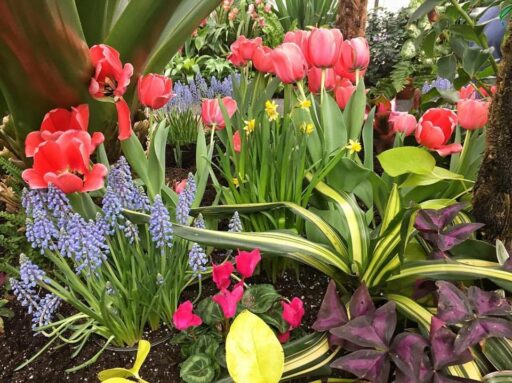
(185, 200)
(160, 226)
(197, 259)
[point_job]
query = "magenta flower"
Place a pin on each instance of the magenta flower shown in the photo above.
(222, 275)
(293, 312)
(246, 262)
(228, 300)
(183, 318)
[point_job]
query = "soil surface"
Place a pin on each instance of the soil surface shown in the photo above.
(162, 366)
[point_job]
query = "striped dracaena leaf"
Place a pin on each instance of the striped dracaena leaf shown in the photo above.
(498, 351)
(498, 377)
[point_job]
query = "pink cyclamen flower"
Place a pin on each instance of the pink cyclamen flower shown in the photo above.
(221, 274)
(472, 114)
(180, 186)
(212, 114)
(183, 318)
(354, 57)
(435, 129)
(154, 90)
(343, 92)
(246, 262)
(228, 300)
(324, 47)
(403, 122)
(315, 79)
(237, 142)
(283, 337)
(293, 312)
(262, 59)
(289, 63)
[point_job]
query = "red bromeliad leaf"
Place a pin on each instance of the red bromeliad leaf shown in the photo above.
(442, 341)
(365, 364)
(453, 306)
(332, 311)
(361, 302)
(488, 302)
(479, 329)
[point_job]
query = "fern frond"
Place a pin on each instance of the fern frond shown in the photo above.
(10, 169)
(400, 74)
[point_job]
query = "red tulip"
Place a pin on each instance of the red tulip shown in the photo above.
(324, 47)
(180, 186)
(434, 130)
(221, 274)
(262, 60)
(64, 162)
(246, 262)
(242, 50)
(289, 63)
(354, 56)
(183, 318)
(300, 38)
(293, 312)
(212, 115)
(154, 90)
(343, 91)
(57, 121)
(315, 79)
(283, 337)
(472, 114)
(467, 92)
(228, 300)
(403, 122)
(110, 79)
(237, 142)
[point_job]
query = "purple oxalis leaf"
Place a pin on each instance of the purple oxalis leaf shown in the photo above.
(422, 288)
(384, 322)
(453, 306)
(442, 341)
(488, 302)
(408, 354)
(332, 311)
(479, 329)
(371, 365)
(455, 235)
(432, 221)
(361, 302)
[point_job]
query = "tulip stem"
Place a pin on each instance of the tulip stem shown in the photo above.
(463, 154)
(357, 77)
(322, 86)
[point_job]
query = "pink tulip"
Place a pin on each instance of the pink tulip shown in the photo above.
(212, 114)
(246, 262)
(343, 91)
(300, 38)
(180, 186)
(237, 142)
(324, 47)
(228, 300)
(154, 90)
(315, 79)
(262, 59)
(467, 92)
(289, 63)
(472, 114)
(293, 312)
(243, 49)
(183, 318)
(403, 122)
(435, 129)
(221, 274)
(354, 56)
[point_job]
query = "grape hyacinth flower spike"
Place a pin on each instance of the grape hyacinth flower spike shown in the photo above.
(185, 200)
(160, 226)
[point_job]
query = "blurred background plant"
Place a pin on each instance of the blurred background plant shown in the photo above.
(300, 14)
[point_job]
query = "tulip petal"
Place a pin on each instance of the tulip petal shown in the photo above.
(34, 179)
(67, 182)
(124, 120)
(446, 150)
(95, 179)
(33, 140)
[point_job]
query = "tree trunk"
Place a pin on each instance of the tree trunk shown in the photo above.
(352, 16)
(492, 197)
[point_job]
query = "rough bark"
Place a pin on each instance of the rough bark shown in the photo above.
(492, 197)
(352, 17)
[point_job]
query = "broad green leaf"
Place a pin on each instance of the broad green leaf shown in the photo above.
(406, 159)
(197, 369)
(142, 354)
(113, 373)
(156, 158)
(501, 252)
(423, 9)
(253, 353)
(438, 174)
(209, 311)
(334, 129)
(447, 66)
(260, 298)
(473, 60)
(354, 113)
(136, 157)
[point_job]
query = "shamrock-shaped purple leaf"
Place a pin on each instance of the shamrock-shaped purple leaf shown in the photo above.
(488, 302)
(455, 235)
(408, 354)
(361, 302)
(370, 365)
(442, 341)
(482, 328)
(453, 306)
(430, 220)
(332, 311)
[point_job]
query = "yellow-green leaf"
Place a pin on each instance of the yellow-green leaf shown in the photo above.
(111, 373)
(253, 353)
(142, 354)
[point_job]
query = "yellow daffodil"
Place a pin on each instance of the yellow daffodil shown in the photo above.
(307, 128)
(305, 104)
(249, 126)
(235, 182)
(271, 110)
(353, 146)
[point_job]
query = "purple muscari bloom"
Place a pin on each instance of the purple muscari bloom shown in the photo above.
(439, 83)
(199, 222)
(40, 230)
(185, 200)
(160, 226)
(235, 224)
(30, 273)
(47, 307)
(197, 259)
(58, 204)
(26, 295)
(332, 311)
